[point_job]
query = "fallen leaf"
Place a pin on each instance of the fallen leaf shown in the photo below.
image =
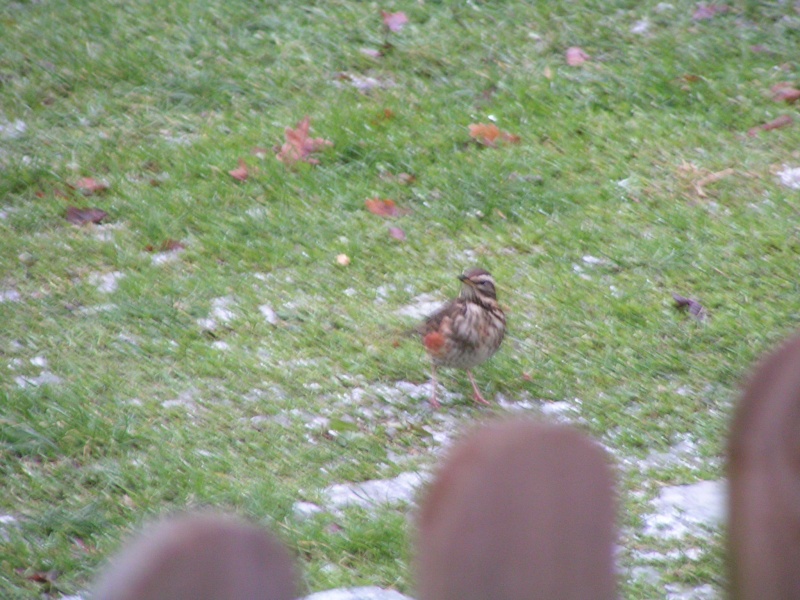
(433, 341)
(46, 577)
(240, 172)
(299, 146)
(695, 308)
(394, 21)
(576, 56)
(397, 233)
(81, 216)
(382, 208)
(526, 377)
(343, 260)
(785, 92)
(489, 134)
(709, 11)
(781, 121)
(89, 186)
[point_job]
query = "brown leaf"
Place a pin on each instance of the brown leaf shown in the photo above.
(397, 233)
(382, 208)
(489, 134)
(576, 56)
(299, 146)
(781, 121)
(81, 216)
(709, 11)
(240, 172)
(394, 21)
(47, 577)
(695, 308)
(89, 186)
(785, 92)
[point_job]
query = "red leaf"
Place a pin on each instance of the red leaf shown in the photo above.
(489, 134)
(382, 208)
(299, 146)
(81, 216)
(576, 56)
(394, 21)
(397, 233)
(240, 172)
(776, 123)
(90, 186)
(709, 11)
(785, 92)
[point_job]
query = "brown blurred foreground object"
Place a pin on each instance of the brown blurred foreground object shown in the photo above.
(200, 557)
(764, 473)
(519, 511)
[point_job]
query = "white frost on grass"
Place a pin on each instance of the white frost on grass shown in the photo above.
(790, 177)
(10, 295)
(106, 283)
(44, 378)
(421, 306)
(682, 510)
(361, 593)
(374, 493)
(269, 314)
(10, 130)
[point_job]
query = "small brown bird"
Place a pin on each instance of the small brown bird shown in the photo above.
(467, 330)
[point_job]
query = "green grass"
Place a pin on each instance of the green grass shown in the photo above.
(130, 92)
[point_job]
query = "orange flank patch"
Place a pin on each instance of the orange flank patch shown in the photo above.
(434, 341)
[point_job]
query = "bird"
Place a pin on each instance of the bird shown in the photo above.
(466, 331)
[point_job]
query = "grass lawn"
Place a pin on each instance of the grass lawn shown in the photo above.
(202, 346)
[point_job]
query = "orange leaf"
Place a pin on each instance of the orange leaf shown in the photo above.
(576, 56)
(434, 341)
(382, 208)
(299, 146)
(240, 172)
(488, 134)
(394, 21)
(90, 186)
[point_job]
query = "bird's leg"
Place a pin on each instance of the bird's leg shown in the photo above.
(433, 400)
(478, 397)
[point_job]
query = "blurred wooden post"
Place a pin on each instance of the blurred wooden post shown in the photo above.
(519, 511)
(764, 473)
(200, 557)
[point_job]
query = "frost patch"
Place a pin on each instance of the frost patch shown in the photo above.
(361, 593)
(682, 510)
(790, 177)
(421, 306)
(376, 492)
(44, 378)
(106, 283)
(10, 295)
(10, 130)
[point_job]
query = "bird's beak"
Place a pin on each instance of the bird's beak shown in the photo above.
(465, 279)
